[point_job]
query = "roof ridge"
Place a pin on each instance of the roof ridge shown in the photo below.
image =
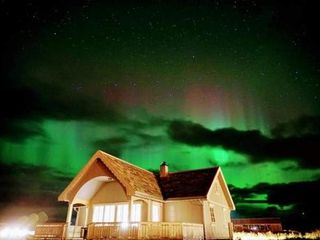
(194, 170)
(123, 161)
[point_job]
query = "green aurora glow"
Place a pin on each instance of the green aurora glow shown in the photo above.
(67, 146)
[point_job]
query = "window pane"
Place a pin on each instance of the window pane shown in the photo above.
(155, 213)
(212, 214)
(122, 213)
(97, 214)
(109, 212)
(136, 212)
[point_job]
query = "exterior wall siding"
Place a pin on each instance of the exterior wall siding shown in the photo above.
(220, 228)
(110, 192)
(189, 211)
(209, 228)
(95, 170)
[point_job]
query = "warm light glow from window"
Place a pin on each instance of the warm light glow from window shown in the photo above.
(97, 213)
(122, 213)
(136, 212)
(109, 213)
(116, 213)
(155, 212)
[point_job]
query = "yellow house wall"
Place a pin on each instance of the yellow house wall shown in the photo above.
(216, 194)
(95, 170)
(110, 192)
(217, 199)
(209, 228)
(188, 211)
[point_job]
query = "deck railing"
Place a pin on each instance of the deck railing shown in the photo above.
(132, 230)
(145, 230)
(50, 230)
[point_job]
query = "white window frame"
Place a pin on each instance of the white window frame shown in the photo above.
(109, 212)
(212, 214)
(122, 213)
(98, 213)
(114, 214)
(136, 212)
(155, 212)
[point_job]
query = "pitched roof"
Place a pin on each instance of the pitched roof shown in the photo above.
(135, 180)
(132, 177)
(187, 184)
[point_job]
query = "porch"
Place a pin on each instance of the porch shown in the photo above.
(133, 230)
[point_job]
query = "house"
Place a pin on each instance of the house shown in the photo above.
(257, 225)
(111, 198)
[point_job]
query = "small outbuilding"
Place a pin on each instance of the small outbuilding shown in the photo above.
(257, 225)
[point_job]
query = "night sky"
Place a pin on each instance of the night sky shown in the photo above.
(198, 84)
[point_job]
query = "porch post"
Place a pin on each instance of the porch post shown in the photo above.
(149, 210)
(130, 208)
(69, 214)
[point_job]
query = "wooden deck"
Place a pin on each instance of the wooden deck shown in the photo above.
(137, 230)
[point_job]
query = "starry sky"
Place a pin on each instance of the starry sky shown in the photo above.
(196, 84)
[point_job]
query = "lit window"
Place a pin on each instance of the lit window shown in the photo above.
(122, 213)
(212, 214)
(155, 212)
(97, 213)
(109, 212)
(136, 212)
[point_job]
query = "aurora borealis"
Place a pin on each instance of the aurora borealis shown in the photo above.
(203, 83)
